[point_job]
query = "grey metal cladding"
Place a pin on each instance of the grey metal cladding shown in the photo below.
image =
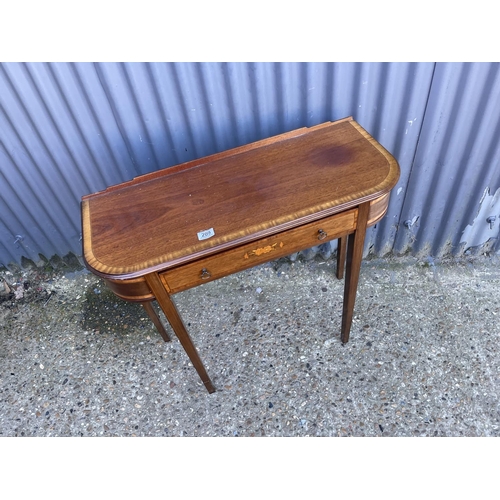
(457, 160)
(68, 129)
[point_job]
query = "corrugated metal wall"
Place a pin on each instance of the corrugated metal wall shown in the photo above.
(457, 161)
(71, 129)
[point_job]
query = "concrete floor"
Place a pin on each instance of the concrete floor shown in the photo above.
(423, 359)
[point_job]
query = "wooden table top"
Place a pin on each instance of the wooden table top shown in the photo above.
(154, 221)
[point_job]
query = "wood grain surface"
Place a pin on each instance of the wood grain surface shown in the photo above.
(252, 254)
(152, 223)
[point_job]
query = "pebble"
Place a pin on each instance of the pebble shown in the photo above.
(419, 361)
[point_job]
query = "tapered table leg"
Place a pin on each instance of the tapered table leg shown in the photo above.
(354, 255)
(341, 251)
(156, 320)
(168, 307)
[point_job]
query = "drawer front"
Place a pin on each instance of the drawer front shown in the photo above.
(251, 254)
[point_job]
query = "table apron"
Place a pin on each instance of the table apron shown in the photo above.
(257, 252)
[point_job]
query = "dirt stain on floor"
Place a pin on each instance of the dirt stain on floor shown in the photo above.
(103, 311)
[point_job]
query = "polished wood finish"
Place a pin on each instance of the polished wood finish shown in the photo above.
(245, 256)
(341, 254)
(137, 290)
(134, 289)
(170, 230)
(156, 320)
(152, 222)
(176, 323)
(354, 255)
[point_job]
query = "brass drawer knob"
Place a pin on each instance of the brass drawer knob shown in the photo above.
(205, 274)
(321, 234)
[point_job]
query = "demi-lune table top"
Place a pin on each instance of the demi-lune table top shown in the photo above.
(197, 208)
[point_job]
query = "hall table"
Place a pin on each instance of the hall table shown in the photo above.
(177, 228)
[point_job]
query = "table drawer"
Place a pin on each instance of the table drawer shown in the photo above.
(251, 254)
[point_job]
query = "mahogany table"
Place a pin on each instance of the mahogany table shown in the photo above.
(170, 230)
